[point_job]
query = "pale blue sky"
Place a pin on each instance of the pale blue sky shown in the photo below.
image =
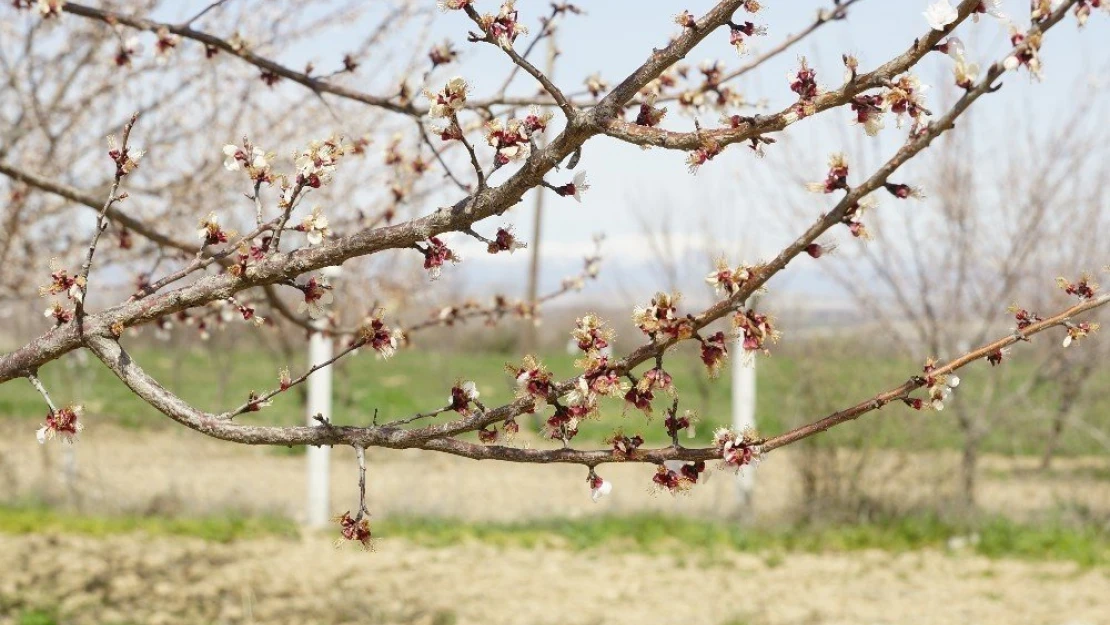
(616, 36)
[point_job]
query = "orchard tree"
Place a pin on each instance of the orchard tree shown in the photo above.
(213, 229)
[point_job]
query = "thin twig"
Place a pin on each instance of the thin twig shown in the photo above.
(34, 379)
(470, 150)
(294, 382)
(439, 157)
(206, 9)
(102, 220)
(360, 453)
(555, 93)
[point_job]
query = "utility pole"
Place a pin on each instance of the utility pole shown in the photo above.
(743, 417)
(318, 402)
(528, 339)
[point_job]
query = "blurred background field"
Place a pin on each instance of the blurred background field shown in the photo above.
(996, 510)
(220, 375)
(213, 530)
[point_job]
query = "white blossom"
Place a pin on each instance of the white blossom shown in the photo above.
(603, 488)
(315, 227)
(470, 389)
(580, 185)
(940, 14)
(449, 100)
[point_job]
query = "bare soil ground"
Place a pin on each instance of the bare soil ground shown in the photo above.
(137, 579)
(130, 579)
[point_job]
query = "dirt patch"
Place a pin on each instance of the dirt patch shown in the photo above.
(135, 579)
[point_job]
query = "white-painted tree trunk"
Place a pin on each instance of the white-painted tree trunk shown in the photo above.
(320, 349)
(743, 417)
(319, 402)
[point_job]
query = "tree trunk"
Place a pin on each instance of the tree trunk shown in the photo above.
(969, 460)
(968, 465)
(1069, 393)
(1053, 439)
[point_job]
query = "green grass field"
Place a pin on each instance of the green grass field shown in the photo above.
(997, 537)
(35, 519)
(791, 390)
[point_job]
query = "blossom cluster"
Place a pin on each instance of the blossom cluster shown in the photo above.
(252, 158)
(62, 423)
(598, 379)
(1078, 330)
(1083, 288)
(1023, 317)
(62, 282)
(316, 164)
(533, 380)
(512, 140)
(125, 157)
(591, 335)
(714, 350)
(676, 423)
(504, 241)
(625, 446)
(380, 337)
(504, 27)
(737, 449)
(803, 82)
(755, 330)
(436, 254)
(355, 529)
(317, 296)
(837, 178)
(905, 97)
(679, 479)
(449, 100)
(661, 320)
(1029, 56)
(726, 279)
(210, 232)
(463, 394)
(938, 387)
(642, 393)
(711, 94)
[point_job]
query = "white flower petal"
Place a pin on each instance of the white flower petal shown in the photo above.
(602, 490)
(940, 14)
(471, 390)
